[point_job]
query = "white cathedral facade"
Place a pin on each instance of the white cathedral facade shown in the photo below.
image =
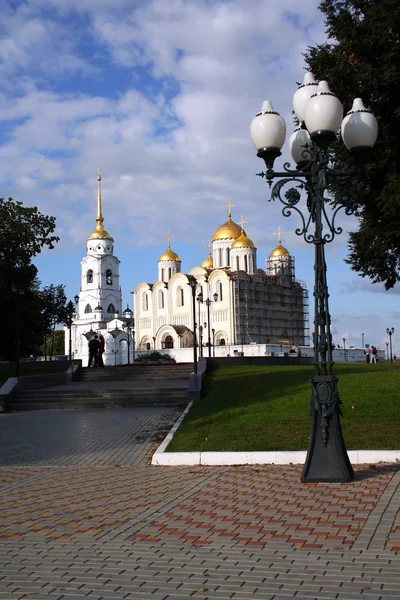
(235, 302)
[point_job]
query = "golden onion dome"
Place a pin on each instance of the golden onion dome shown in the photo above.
(207, 263)
(243, 241)
(169, 255)
(280, 250)
(100, 233)
(227, 231)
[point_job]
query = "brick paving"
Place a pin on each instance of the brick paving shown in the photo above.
(83, 515)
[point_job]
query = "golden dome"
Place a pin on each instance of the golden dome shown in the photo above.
(227, 231)
(207, 263)
(169, 255)
(243, 242)
(280, 250)
(100, 233)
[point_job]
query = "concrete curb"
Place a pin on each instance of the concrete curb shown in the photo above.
(174, 459)
(357, 457)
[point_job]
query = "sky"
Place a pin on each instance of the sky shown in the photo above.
(160, 94)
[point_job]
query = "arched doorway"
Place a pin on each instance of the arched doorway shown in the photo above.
(168, 342)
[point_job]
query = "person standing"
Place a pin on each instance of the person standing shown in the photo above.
(102, 344)
(94, 346)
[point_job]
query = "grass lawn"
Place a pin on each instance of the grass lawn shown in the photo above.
(261, 408)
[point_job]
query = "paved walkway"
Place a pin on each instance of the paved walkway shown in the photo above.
(83, 515)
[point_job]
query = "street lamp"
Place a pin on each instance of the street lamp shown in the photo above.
(193, 283)
(200, 300)
(128, 325)
(362, 340)
(344, 349)
(390, 332)
(18, 292)
(213, 334)
(320, 114)
(387, 350)
(208, 303)
(69, 319)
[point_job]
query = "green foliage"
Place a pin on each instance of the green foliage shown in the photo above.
(265, 408)
(153, 356)
(24, 231)
(362, 58)
(53, 344)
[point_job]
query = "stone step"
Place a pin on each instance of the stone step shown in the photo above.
(140, 372)
(42, 399)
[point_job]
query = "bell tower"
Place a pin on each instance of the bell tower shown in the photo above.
(100, 296)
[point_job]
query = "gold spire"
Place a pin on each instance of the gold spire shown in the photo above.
(99, 232)
(279, 250)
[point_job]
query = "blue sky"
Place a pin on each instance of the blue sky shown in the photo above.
(160, 94)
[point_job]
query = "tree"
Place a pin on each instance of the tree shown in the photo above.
(24, 231)
(362, 58)
(53, 312)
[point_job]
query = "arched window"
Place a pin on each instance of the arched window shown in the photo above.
(222, 342)
(88, 309)
(237, 264)
(111, 309)
(228, 257)
(219, 291)
(162, 274)
(169, 273)
(160, 299)
(109, 277)
(180, 299)
(145, 301)
(220, 257)
(148, 346)
(89, 276)
(245, 263)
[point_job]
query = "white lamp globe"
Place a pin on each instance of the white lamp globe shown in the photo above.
(297, 141)
(268, 129)
(359, 127)
(303, 94)
(323, 113)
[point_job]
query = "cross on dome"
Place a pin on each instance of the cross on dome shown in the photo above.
(169, 238)
(229, 206)
(278, 233)
(242, 222)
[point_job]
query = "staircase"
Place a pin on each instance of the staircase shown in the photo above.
(112, 387)
(135, 373)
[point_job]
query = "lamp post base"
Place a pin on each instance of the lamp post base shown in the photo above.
(327, 459)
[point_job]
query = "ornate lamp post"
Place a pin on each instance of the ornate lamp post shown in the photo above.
(69, 319)
(320, 113)
(344, 349)
(208, 303)
(129, 322)
(193, 284)
(387, 350)
(390, 332)
(18, 292)
(213, 334)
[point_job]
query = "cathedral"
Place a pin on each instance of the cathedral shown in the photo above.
(230, 300)
(235, 302)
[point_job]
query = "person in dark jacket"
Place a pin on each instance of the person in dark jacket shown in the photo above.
(101, 350)
(94, 346)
